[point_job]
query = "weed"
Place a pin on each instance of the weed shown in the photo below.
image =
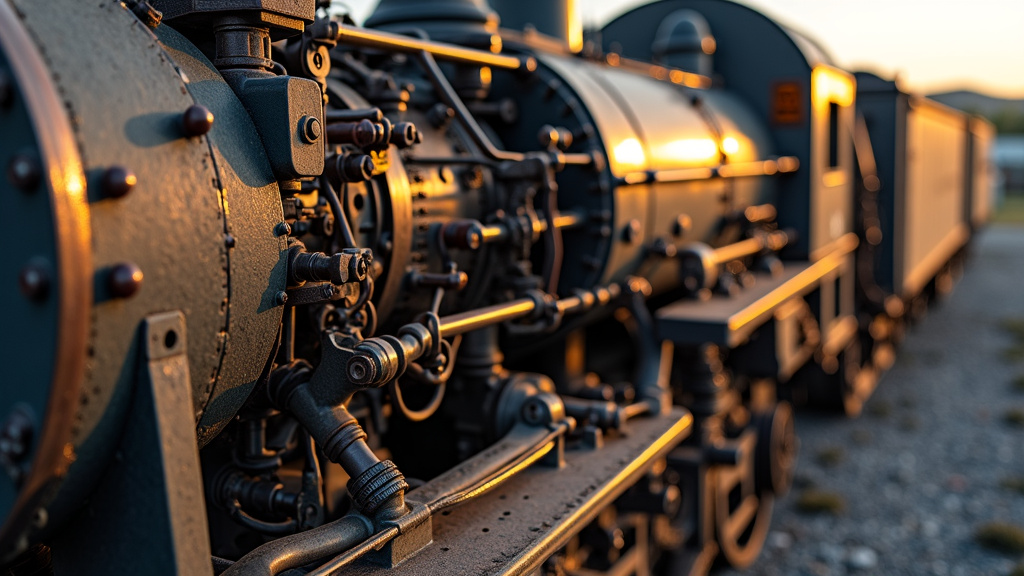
(1001, 536)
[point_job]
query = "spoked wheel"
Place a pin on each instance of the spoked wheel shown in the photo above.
(742, 515)
(777, 447)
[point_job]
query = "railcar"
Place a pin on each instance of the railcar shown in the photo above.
(458, 291)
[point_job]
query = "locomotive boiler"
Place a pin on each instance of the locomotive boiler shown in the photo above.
(453, 292)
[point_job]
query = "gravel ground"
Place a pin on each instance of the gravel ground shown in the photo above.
(933, 457)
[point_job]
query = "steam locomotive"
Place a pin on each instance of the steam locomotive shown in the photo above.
(288, 295)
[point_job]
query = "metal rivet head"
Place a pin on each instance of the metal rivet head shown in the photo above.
(34, 281)
(281, 298)
(282, 229)
(682, 225)
(197, 120)
(124, 280)
(24, 172)
(229, 241)
(631, 233)
(117, 181)
(310, 128)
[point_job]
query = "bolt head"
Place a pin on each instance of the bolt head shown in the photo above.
(34, 281)
(25, 172)
(311, 129)
(282, 229)
(117, 181)
(197, 120)
(281, 298)
(631, 233)
(124, 280)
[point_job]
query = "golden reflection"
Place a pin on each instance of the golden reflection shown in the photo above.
(690, 149)
(630, 153)
(574, 33)
(730, 145)
(831, 86)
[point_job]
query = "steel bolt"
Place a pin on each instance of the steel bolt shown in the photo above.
(34, 281)
(229, 241)
(682, 225)
(282, 229)
(197, 120)
(310, 128)
(281, 298)
(631, 233)
(25, 172)
(117, 181)
(124, 280)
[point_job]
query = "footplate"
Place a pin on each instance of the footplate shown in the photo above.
(514, 528)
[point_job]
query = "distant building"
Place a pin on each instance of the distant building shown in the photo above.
(1008, 157)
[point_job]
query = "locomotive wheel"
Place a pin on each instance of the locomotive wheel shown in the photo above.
(776, 453)
(742, 514)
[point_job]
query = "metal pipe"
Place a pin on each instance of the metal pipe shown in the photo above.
(770, 167)
(483, 317)
(356, 36)
(300, 549)
(774, 241)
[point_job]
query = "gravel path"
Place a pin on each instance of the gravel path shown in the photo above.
(933, 456)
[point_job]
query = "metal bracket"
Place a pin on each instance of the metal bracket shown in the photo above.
(148, 515)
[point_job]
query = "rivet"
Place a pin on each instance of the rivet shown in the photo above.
(631, 232)
(117, 181)
(197, 120)
(282, 229)
(281, 298)
(310, 128)
(34, 281)
(682, 225)
(24, 172)
(229, 240)
(124, 280)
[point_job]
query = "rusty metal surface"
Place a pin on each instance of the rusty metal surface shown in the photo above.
(127, 112)
(252, 207)
(518, 525)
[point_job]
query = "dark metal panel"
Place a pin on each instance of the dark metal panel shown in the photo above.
(148, 515)
(169, 225)
(45, 283)
(252, 205)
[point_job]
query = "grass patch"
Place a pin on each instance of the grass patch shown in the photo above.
(1011, 211)
(1001, 536)
(1013, 484)
(1015, 328)
(821, 502)
(1014, 417)
(879, 408)
(831, 456)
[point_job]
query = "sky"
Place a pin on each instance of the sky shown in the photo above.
(929, 45)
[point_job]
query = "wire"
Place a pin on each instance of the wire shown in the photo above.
(342, 229)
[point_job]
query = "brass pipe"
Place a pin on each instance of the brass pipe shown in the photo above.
(356, 36)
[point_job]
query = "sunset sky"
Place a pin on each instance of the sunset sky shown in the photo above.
(932, 45)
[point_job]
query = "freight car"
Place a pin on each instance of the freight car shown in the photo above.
(432, 295)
